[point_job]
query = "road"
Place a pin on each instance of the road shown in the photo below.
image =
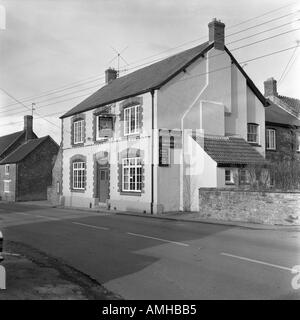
(145, 258)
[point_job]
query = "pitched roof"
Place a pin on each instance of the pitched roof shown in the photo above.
(23, 150)
(231, 150)
(141, 81)
(293, 103)
(8, 140)
(152, 77)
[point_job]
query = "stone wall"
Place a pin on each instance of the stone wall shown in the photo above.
(282, 208)
(54, 191)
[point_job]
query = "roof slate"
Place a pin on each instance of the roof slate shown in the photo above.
(231, 150)
(140, 81)
(292, 102)
(6, 141)
(23, 150)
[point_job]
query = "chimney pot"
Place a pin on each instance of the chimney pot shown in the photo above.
(110, 75)
(216, 30)
(270, 87)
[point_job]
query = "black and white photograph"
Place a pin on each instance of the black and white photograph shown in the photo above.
(149, 151)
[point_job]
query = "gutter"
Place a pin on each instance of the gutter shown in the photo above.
(152, 151)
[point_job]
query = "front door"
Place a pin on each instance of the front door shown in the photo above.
(103, 184)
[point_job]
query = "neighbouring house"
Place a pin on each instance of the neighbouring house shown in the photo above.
(282, 138)
(282, 125)
(147, 141)
(25, 172)
(12, 141)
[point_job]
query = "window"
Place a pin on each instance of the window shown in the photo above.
(131, 120)
(271, 139)
(243, 176)
(229, 177)
(298, 141)
(6, 186)
(252, 135)
(104, 127)
(78, 131)
(6, 169)
(79, 175)
(57, 187)
(132, 174)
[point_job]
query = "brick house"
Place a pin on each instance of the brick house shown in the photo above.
(147, 141)
(25, 172)
(282, 125)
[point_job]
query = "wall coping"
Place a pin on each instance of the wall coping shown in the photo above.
(249, 191)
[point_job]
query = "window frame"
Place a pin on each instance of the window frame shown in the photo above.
(127, 122)
(6, 186)
(127, 164)
(256, 134)
(231, 181)
(78, 180)
(75, 128)
(6, 169)
(268, 144)
(246, 181)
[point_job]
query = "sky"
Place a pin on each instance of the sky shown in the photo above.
(53, 53)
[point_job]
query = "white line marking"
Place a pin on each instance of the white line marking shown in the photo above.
(164, 240)
(90, 226)
(10, 254)
(256, 261)
(45, 217)
(22, 213)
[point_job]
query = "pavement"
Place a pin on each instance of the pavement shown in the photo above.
(137, 257)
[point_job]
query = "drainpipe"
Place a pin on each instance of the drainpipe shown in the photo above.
(152, 151)
(182, 133)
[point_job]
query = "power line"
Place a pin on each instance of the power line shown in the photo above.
(243, 22)
(246, 45)
(212, 71)
(290, 67)
(287, 65)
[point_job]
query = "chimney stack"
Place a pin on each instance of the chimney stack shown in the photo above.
(217, 33)
(28, 127)
(110, 75)
(270, 87)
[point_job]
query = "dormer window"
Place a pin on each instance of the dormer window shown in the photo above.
(105, 127)
(252, 133)
(78, 131)
(131, 120)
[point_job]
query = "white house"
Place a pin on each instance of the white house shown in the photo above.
(148, 140)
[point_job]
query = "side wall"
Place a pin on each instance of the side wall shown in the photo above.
(35, 172)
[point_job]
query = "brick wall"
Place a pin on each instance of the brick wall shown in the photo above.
(247, 206)
(35, 172)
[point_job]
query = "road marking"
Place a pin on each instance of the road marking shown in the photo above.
(22, 213)
(45, 217)
(164, 240)
(256, 261)
(90, 226)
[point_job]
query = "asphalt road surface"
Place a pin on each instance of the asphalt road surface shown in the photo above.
(145, 258)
